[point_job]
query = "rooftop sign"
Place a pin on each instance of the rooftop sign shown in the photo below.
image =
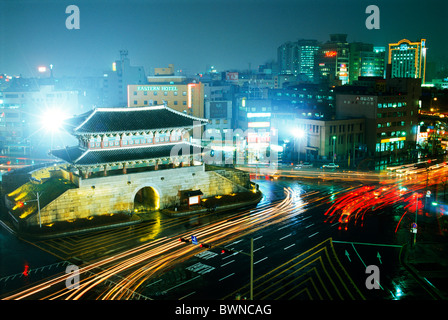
(156, 88)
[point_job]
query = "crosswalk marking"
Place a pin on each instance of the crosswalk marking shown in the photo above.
(206, 255)
(200, 268)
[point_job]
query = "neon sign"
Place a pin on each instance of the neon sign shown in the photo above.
(156, 88)
(329, 54)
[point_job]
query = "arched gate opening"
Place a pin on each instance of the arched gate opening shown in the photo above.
(146, 199)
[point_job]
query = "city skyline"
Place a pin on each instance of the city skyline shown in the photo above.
(228, 35)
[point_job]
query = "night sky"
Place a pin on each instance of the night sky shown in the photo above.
(192, 34)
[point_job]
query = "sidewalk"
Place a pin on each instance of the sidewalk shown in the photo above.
(49, 235)
(427, 260)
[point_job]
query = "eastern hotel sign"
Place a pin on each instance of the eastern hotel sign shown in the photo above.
(156, 88)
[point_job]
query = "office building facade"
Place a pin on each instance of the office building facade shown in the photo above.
(391, 116)
(332, 61)
(116, 81)
(184, 97)
(297, 58)
(408, 59)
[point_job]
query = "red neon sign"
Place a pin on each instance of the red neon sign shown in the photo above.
(331, 54)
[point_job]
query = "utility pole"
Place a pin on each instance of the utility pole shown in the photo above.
(251, 268)
(415, 220)
(38, 207)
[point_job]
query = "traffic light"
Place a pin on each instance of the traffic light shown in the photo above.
(225, 251)
(20, 204)
(184, 240)
(205, 245)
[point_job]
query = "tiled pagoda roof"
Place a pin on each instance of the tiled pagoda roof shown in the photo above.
(88, 157)
(132, 119)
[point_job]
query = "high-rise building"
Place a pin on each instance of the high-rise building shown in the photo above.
(366, 61)
(286, 54)
(297, 58)
(116, 81)
(373, 64)
(332, 61)
(306, 51)
(408, 59)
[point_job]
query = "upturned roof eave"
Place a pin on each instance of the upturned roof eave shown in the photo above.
(86, 151)
(95, 133)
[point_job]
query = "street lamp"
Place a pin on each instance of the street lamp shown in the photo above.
(53, 119)
(415, 220)
(298, 133)
(334, 146)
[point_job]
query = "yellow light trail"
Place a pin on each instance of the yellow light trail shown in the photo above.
(146, 260)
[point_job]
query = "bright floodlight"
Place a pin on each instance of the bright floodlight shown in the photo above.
(42, 69)
(298, 133)
(53, 119)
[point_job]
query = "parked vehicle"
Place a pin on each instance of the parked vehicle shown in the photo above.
(330, 166)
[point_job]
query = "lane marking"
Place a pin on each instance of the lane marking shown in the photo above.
(187, 295)
(289, 246)
(227, 276)
(359, 255)
(235, 253)
(153, 283)
(261, 260)
(313, 235)
(258, 248)
(309, 226)
(227, 263)
(182, 283)
(369, 244)
(288, 235)
(258, 238)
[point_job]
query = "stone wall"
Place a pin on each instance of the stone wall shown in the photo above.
(114, 194)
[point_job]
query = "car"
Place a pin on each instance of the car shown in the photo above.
(344, 217)
(330, 166)
(303, 165)
(307, 165)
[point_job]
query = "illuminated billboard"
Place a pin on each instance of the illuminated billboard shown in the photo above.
(232, 76)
